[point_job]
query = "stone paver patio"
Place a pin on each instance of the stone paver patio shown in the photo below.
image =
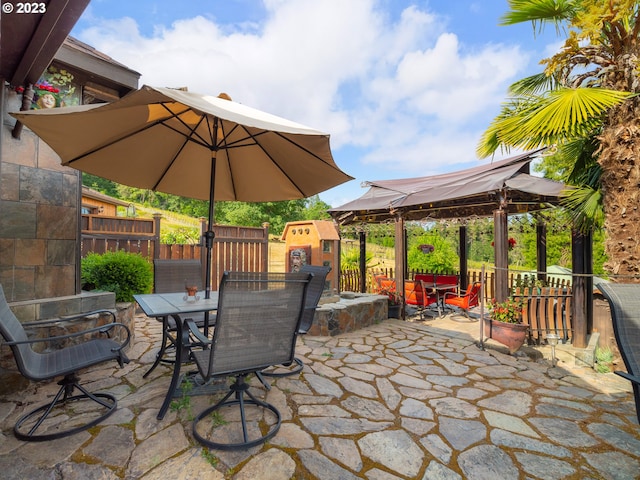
(398, 400)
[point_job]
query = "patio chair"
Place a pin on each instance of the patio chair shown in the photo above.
(624, 300)
(464, 300)
(257, 323)
(416, 294)
(65, 362)
(314, 292)
(170, 276)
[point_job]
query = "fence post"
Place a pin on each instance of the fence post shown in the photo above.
(156, 235)
(264, 254)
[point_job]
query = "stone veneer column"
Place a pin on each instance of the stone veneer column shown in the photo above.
(39, 214)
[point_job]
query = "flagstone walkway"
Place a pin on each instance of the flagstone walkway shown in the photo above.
(398, 400)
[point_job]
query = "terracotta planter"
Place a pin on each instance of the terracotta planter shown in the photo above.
(511, 335)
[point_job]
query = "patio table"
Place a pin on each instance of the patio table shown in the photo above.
(177, 306)
(440, 290)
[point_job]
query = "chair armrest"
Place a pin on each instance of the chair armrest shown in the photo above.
(195, 331)
(70, 318)
(449, 294)
(104, 329)
(628, 376)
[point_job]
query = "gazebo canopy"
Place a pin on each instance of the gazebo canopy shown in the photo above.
(477, 191)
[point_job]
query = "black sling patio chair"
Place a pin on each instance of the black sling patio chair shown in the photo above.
(624, 300)
(65, 362)
(314, 292)
(170, 276)
(257, 323)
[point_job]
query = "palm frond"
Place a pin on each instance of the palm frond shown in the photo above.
(555, 117)
(584, 205)
(539, 12)
(533, 85)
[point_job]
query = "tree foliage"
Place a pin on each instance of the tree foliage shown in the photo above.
(443, 258)
(277, 214)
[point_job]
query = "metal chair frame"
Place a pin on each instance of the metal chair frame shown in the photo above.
(624, 300)
(258, 320)
(314, 293)
(170, 276)
(65, 362)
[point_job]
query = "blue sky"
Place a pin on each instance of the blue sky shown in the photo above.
(404, 88)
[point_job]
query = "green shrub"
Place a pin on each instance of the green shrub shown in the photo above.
(120, 272)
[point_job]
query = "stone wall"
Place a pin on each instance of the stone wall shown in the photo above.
(39, 211)
(349, 314)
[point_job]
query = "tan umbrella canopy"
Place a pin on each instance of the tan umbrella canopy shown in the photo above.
(192, 145)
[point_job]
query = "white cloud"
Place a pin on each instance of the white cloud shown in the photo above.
(404, 90)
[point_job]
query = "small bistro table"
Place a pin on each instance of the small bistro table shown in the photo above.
(440, 290)
(177, 306)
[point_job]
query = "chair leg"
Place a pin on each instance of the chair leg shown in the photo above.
(167, 342)
(263, 380)
(239, 389)
(65, 394)
(295, 367)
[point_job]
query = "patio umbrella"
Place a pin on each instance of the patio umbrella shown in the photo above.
(192, 145)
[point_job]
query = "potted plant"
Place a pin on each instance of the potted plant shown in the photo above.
(505, 324)
(394, 300)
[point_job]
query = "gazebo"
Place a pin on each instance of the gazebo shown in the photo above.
(497, 189)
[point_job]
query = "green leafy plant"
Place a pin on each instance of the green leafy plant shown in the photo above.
(184, 402)
(350, 259)
(604, 359)
(120, 272)
(509, 311)
(529, 281)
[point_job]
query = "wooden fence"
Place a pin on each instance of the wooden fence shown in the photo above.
(546, 310)
(234, 248)
(100, 234)
(350, 280)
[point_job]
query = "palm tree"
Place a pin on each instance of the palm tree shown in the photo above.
(585, 105)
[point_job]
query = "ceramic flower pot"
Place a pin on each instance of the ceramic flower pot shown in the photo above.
(511, 335)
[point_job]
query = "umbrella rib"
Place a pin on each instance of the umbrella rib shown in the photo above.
(252, 136)
(199, 140)
(187, 139)
(162, 121)
(106, 145)
(161, 177)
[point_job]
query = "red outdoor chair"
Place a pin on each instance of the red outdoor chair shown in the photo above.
(417, 294)
(465, 300)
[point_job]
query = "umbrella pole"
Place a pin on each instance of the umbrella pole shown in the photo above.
(208, 239)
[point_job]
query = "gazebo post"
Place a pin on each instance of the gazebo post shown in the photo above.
(400, 255)
(363, 260)
(500, 241)
(463, 257)
(541, 250)
(579, 300)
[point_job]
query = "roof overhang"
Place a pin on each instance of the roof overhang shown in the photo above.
(29, 42)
